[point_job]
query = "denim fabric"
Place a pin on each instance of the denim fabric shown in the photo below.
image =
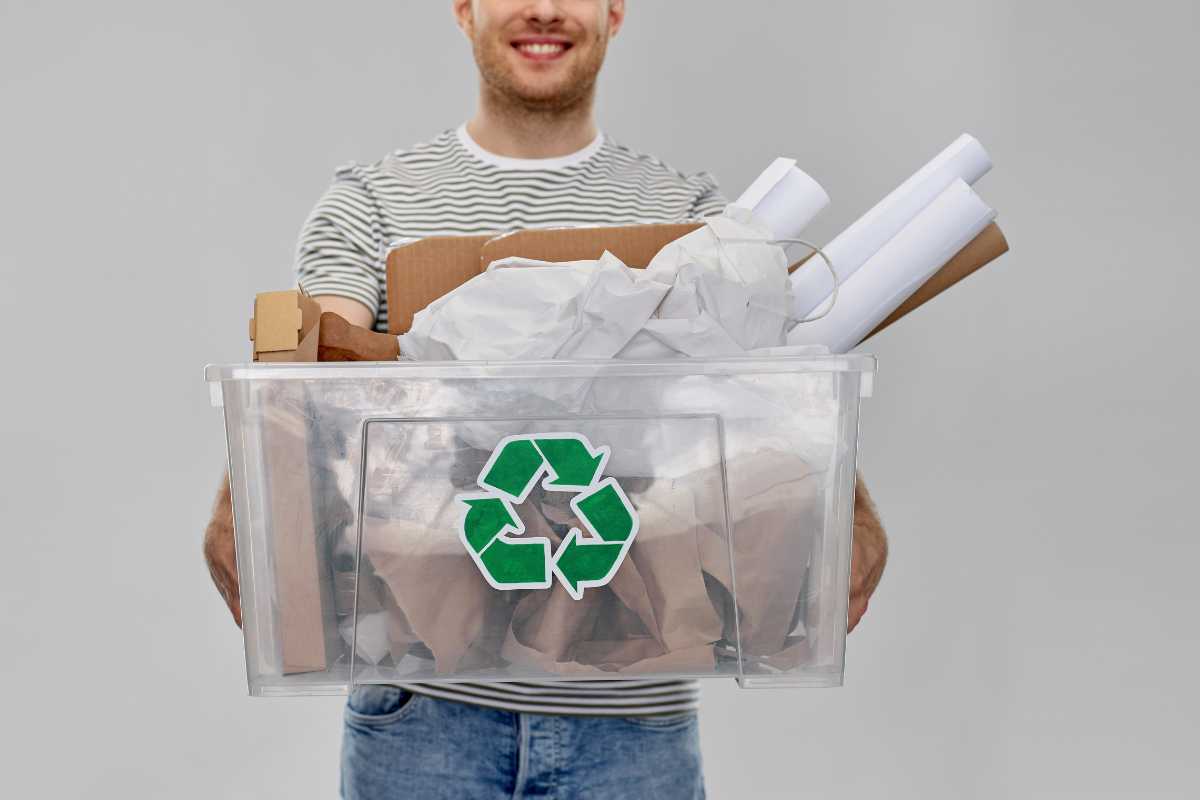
(402, 745)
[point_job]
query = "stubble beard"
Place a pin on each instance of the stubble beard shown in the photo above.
(574, 92)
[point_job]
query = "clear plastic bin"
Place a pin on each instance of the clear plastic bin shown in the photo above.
(424, 521)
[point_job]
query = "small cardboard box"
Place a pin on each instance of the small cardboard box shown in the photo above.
(422, 271)
(285, 326)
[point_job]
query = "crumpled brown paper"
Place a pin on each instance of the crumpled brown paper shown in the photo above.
(668, 609)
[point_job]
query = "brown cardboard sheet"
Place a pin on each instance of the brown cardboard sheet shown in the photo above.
(635, 245)
(422, 271)
(666, 609)
(341, 341)
(303, 600)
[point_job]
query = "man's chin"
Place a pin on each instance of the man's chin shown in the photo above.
(558, 86)
(545, 98)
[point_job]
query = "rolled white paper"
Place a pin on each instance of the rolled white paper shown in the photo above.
(945, 226)
(964, 160)
(784, 198)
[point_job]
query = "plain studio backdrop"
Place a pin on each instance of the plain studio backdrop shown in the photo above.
(1031, 443)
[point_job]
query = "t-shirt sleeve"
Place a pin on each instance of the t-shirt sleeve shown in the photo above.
(341, 250)
(710, 200)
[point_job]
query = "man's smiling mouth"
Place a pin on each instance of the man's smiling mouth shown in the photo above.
(541, 49)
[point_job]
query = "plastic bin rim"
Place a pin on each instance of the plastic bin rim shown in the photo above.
(606, 367)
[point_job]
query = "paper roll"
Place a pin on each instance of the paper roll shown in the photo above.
(979, 252)
(964, 160)
(900, 267)
(784, 198)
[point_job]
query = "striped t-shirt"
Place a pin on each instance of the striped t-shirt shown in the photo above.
(448, 186)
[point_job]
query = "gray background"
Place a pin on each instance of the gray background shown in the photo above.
(1031, 444)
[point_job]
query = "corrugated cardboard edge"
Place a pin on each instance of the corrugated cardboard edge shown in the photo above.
(422, 271)
(635, 245)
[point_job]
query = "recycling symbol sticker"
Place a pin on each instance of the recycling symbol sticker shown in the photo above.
(492, 532)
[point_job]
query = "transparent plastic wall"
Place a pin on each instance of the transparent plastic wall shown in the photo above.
(421, 521)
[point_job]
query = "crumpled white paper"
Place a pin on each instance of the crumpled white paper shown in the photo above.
(719, 291)
(371, 642)
(729, 292)
(520, 308)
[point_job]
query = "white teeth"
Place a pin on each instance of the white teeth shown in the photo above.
(542, 49)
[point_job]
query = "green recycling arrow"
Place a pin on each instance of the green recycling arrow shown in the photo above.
(517, 565)
(505, 562)
(579, 563)
(487, 517)
(490, 526)
(513, 468)
(606, 512)
(572, 463)
(609, 516)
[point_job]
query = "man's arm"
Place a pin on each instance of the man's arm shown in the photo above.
(352, 311)
(869, 555)
(338, 258)
(339, 342)
(219, 550)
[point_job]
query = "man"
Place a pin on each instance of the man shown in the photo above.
(531, 156)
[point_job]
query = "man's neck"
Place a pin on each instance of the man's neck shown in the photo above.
(503, 130)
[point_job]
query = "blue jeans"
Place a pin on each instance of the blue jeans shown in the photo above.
(398, 744)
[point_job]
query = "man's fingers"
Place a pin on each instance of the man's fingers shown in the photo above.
(220, 553)
(865, 569)
(858, 579)
(229, 591)
(234, 601)
(233, 598)
(858, 607)
(874, 578)
(222, 568)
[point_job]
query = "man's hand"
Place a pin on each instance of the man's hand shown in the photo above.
(344, 336)
(869, 554)
(219, 551)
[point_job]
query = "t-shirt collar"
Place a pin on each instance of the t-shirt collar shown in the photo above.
(505, 162)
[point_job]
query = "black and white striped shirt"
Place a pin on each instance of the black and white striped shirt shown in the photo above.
(450, 185)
